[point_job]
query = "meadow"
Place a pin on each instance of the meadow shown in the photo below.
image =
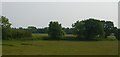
(58, 47)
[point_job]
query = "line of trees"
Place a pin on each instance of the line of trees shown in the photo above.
(11, 33)
(90, 29)
(34, 29)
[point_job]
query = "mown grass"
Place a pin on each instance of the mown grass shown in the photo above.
(58, 47)
(39, 35)
(46, 35)
(45, 47)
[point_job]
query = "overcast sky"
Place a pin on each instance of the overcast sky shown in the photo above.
(39, 14)
(59, 0)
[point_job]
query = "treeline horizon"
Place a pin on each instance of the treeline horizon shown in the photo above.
(34, 29)
(89, 29)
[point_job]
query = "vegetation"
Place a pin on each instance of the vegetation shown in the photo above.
(108, 28)
(90, 29)
(19, 33)
(55, 31)
(82, 39)
(45, 47)
(6, 29)
(117, 34)
(10, 33)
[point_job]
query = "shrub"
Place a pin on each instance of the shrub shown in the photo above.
(111, 38)
(19, 33)
(55, 31)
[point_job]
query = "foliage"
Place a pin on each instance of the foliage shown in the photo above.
(45, 30)
(55, 30)
(88, 29)
(32, 29)
(6, 29)
(10, 33)
(94, 29)
(42, 30)
(108, 28)
(68, 30)
(117, 34)
(19, 33)
(111, 38)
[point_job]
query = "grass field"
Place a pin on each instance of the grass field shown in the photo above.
(58, 47)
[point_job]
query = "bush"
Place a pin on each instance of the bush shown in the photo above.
(88, 29)
(111, 38)
(55, 31)
(19, 33)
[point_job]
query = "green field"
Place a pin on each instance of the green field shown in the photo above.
(58, 47)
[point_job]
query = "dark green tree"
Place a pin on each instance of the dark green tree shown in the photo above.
(12, 33)
(68, 30)
(55, 31)
(79, 29)
(89, 29)
(20, 33)
(108, 28)
(117, 34)
(94, 29)
(32, 29)
(6, 28)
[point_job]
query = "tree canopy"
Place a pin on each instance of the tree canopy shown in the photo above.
(10, 33)
(6, 27)
(89, 29)
(55, 30)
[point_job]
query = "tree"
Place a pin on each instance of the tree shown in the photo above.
(94, 29)
(117, 34)
(89, 29)
(108, 28)
(55, 31)
(20, 33)
(68, 30)
(79, 29)
(6, 28)
(11, 33)
(32, 29)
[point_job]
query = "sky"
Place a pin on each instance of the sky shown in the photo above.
(59, 0)
(39, 14)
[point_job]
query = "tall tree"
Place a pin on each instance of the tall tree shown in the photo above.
(94, 29)
(79, 29)
(108, 28)
(117, 34)
(55, 30)
(6, 28)
(89, 29)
